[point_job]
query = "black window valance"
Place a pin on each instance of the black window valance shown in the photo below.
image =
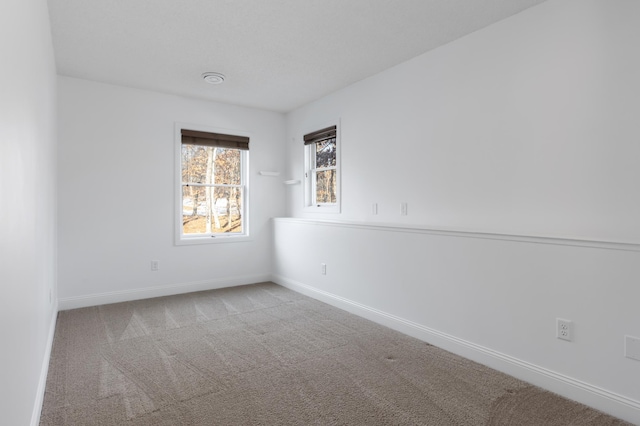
(320, 135)
(195, 137)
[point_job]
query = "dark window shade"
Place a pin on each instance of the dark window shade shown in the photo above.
(320, 135)
(194, 137)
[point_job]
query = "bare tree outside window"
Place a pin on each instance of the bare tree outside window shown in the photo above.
(212, 190)
(324, 168)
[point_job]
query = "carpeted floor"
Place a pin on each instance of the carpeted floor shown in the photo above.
(264, 355)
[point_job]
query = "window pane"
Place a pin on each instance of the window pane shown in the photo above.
(326, 187)
(326, 153)
(227, 166)
(211, 210)
(205, 164)
(194, 163)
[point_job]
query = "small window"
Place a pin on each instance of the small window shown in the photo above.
(322, 188)
(213, 188)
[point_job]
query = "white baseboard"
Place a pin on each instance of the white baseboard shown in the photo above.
(158, 291)
(44, 369)
(585, 393)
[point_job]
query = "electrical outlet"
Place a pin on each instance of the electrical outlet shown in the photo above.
(323, 268)
(564, 329)
(374, 209)
(155, 265)
(632, 347)
(403, 209)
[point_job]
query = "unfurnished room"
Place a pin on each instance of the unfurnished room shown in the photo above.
(319, 212)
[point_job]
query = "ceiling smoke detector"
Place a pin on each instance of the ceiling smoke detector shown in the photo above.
(213, 77)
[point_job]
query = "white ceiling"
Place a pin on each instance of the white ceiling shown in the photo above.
(276, 54)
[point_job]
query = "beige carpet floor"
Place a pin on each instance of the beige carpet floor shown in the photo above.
(265, 355)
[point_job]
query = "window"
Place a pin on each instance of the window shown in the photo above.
(322, 189)
(213, 187)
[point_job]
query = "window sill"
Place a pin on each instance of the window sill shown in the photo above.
(218, 239)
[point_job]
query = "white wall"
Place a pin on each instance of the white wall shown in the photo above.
(117, 199)
(27, 206)
(527, 127)
(489, 298)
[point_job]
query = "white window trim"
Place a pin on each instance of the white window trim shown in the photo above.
(179, 237)
(307, 176)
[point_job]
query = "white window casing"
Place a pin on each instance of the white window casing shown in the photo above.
(237, 205)
(330, 203)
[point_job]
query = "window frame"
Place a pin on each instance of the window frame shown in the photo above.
(309, 173)
(190, 239)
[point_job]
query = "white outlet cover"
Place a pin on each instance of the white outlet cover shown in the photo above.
(632, 347)
(564, 329)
